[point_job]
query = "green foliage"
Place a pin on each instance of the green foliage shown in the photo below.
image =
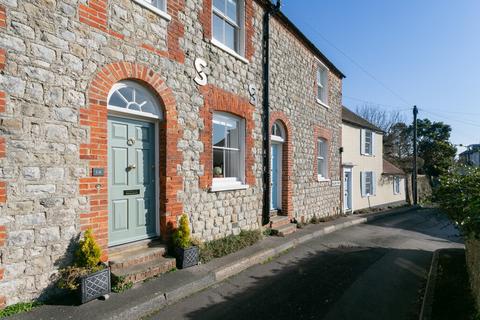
(18, 308)
(88, 253)
(181, 236)
(222, 247)
(458, 194)
(119, 284)
(314, 220)
(87, 260)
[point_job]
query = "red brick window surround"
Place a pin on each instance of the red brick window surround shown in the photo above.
(326, 135)
(3, 17)
(95, 151)
(206, 19)
(218, 100)
(287, 162)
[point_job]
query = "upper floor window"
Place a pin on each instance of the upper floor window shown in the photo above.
(368, 183)
(322, 84)
(367, 143)
(396, 185)
(322, 158)
(228, 150)
(157, 6)
(228, 24)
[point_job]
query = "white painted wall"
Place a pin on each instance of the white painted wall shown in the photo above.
(351, 142)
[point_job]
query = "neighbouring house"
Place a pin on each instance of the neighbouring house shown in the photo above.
(119, 116)
(368, 179)
(471, 155)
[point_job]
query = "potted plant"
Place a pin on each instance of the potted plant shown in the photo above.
(217, 172)
(89, 278)
(186, 253)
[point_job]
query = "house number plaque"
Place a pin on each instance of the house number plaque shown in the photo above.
(98, 172)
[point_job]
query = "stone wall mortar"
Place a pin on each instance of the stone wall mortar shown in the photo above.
(53, 58)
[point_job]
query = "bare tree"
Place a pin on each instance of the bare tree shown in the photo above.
(384, 119)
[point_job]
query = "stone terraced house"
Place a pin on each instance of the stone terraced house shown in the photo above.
(119, 116)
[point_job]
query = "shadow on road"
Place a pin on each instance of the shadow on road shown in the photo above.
(428, 216)
(313, 287)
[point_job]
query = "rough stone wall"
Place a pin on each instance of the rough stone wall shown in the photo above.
(53, 52)
(293, 92)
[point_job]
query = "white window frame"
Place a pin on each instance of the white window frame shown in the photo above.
(322, 84)
(322, 176)
(162, 12)
(231, 183)
(396, 185)
(240, 27)
(363, 145)
(363, 184)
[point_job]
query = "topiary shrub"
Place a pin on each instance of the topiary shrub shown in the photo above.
(88, 253)
(87, 260)
(181, 236)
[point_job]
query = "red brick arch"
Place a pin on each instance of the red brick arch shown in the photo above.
(287, 162)
(95, 152)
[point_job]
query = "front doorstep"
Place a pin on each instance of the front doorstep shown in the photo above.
(139, 261)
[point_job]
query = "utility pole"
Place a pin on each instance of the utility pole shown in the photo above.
(415, 155)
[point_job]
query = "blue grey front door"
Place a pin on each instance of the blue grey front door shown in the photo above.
(131, 180)
(275, 175)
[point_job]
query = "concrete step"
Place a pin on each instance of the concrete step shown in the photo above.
(146, 270)
(285, 230)
(129, 258)
(278, 221)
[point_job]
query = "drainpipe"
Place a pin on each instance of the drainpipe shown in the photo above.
(270, 11)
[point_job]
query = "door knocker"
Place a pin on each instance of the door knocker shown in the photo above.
(131, 141)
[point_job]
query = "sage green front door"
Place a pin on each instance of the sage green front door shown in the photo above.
(131, 179)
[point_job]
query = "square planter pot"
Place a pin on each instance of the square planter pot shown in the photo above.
(95, 285)
(187, 257)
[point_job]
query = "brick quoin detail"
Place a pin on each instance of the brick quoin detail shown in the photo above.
(3, 59)
(3, 17)
(95, 14)
(95, 152)
(287, 162)
(216, 99)
(206, 21)
(326, 134)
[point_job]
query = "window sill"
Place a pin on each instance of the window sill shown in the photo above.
(220, 188)
(320, 102)
(322, 179)
(154, 9)
(229, 51)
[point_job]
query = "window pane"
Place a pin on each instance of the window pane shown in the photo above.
(148, 107)
(117, 101)
(218, 165)
(127, 93)
(220, 5)
(218, 135)
(233, 136)
(218, 28)
(320, 168)
(230, 36)
(232, 164)
(160, 4)
(232, 10)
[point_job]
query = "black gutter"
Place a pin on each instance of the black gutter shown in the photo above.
(269, 11)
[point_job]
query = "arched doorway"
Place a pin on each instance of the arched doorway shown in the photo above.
(134, 113)
(277, 139)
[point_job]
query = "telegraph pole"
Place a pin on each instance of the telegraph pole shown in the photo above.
(415, 155)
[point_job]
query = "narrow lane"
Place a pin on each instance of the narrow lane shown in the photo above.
(372, 271)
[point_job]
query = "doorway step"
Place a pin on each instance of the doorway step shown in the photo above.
(281, 226)
(140, 260)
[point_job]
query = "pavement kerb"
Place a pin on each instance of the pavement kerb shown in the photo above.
(221, 273)
(426, 310)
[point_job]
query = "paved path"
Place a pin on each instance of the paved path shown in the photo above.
(370, 271)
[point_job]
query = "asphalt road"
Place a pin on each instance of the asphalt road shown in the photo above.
(370, 271)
